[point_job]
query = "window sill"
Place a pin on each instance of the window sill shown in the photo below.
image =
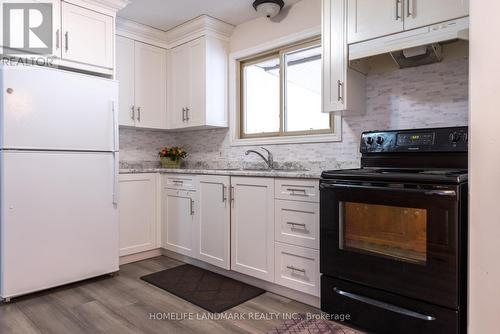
(323, 138)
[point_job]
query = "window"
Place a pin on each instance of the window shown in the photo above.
(281, 93)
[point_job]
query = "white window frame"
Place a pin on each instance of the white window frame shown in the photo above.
(234, 97)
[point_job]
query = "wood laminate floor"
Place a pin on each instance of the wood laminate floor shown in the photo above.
(125, 304)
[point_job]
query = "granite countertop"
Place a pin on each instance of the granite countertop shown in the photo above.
(302, 174)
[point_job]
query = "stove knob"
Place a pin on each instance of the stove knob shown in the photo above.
(369, 140)
(455, 137)
(380, 140)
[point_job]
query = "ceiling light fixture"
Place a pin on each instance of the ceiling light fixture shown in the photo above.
(268, 8)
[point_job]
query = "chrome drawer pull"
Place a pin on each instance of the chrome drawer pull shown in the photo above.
(441, 192)
(293, 192)
(383, 305)
(292, 268)
(297, 224)
(178, 181)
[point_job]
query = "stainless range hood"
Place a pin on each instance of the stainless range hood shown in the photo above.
(414, 47)
(417, 56)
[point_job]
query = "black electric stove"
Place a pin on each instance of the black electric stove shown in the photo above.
(393, 236)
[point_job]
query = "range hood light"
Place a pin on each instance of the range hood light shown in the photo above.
(268, 8)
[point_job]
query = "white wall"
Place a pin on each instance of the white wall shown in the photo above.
(484, 262)
(304, 15)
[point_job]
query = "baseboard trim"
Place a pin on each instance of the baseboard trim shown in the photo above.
(140, 256)
(268, 286)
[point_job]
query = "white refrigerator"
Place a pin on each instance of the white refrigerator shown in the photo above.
(58, 178)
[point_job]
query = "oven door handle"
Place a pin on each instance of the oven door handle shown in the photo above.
(428, 192)
(384, 305)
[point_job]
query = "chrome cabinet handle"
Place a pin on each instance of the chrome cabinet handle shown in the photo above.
(293, 192)
(57, 39)
(296, 224)
(178, 182)
(340, 89)
(224, 197)
(191, 207)
(398, 3)
(409, 6)
(187, 114)
(138, 114)
(66, 41)
(292, 268)
(132, 114)
(231, 195)
(384, 305)
(183, 114)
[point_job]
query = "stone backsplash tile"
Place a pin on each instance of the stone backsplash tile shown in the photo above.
(427, 96)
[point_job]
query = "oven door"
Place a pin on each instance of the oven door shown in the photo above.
(397, 237)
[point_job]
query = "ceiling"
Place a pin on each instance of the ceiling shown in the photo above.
(166, 14)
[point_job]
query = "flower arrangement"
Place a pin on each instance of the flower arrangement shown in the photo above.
(171, 156)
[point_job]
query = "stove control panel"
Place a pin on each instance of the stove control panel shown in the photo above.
(453, 139)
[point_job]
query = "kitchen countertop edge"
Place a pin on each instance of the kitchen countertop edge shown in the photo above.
(275, 174)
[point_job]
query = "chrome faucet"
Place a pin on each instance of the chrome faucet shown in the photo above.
(269, 161)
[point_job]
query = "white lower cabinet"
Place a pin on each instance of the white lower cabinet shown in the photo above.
(297, 223)
(215, 220)
(252, 227)
(297, 268)
(138, 213)
(262, 227)
(180, 220)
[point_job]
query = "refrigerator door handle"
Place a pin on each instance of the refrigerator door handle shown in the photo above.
(116, 155)
(116, 162)
(114, 109)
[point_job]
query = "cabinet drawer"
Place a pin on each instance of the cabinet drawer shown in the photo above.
(297, 190)
(297, 268)
(179, 181)
(297, 223)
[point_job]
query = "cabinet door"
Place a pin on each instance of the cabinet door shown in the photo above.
(179, 91)
(369, 19)
(214, 220)
(138, 213)
(180, 222)
(419, 13)
(125, 76)
(87, 36)
(343, 88)
(150, 86)
(195, 114)
(252, 221)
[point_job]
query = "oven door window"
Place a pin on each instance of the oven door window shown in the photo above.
(399, 233)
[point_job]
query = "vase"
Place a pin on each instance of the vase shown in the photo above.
(172, 164)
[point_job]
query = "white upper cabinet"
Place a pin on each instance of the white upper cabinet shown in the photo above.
(252, 227)
(369, 19)
(141, 72)
(180, 73)
(419, 13)
(215, 218)
(343, 88)
(139, 224)
(198, 90)
(87, 36)
(125, 76)
(150, 86)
